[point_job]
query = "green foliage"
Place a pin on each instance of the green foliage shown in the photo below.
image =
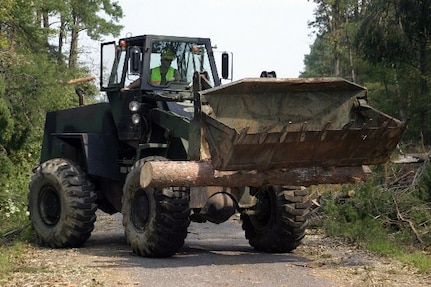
(14, 215)
(424, 186)
(382, 246)
(383, 45)
(380, 38)
(6, 122)
(387, 221)
(9, 256)
(95, 17)
(94, 24)
(375, 212)
(357, 218)
(32, 82)
(418, 259)
(317, 61)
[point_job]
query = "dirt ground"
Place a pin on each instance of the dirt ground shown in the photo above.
(341, 262)
(214, 255)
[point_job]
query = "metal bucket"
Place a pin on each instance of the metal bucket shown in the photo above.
(268, 123)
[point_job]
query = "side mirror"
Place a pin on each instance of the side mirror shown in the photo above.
(225, 65)
(135, 60)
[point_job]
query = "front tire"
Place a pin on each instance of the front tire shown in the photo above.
(278, 221)
(155, 219)
(61, 204)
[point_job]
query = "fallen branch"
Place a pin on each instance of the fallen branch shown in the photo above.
(399, 179)
(81, 80)
(401, 217)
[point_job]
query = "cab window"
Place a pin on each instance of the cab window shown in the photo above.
(172, 61)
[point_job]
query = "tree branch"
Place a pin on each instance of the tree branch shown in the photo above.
(401, 217)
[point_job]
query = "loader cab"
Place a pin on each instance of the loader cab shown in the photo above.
(139, 60)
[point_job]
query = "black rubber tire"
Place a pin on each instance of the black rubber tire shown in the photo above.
(278, 221)
(62, 204)
(155, 220)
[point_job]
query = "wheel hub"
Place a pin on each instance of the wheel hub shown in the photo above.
(140, 206)
(49, 205)
(263, 209)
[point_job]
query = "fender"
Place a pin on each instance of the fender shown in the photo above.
(96, 153)
(86, 135)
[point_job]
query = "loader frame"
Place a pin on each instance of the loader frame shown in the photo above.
(192, 149)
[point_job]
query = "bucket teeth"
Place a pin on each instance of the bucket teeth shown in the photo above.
(239, 139)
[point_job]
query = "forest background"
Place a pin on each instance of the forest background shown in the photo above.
(383, 45)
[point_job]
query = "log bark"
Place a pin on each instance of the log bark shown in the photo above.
(199, 173)
(81, 80)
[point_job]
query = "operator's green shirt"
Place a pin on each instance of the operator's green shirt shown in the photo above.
(156, 76)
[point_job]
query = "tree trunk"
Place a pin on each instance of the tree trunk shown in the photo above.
(73, 52)
(61, 36)
(424, 112)
(199, 173)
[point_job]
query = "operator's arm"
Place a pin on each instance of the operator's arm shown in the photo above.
(132, 85)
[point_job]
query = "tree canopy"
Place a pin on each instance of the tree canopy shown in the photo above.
(383, 45)
(35, 62)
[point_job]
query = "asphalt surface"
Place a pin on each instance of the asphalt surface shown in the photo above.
(213, 255)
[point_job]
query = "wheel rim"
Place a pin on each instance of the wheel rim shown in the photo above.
(49, 205)
(264, 209)
(140, 209)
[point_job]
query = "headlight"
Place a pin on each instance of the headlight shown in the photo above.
(136, 119)
(134, 106)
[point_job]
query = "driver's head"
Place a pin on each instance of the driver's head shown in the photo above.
(167, 54)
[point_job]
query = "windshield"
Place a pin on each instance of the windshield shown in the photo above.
(177, 61)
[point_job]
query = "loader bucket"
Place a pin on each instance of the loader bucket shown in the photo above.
(270, 123)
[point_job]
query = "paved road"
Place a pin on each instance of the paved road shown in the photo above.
(213, 255)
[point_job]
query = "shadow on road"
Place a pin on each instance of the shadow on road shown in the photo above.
(206, 244)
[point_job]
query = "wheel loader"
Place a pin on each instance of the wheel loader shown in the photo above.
(172, 144)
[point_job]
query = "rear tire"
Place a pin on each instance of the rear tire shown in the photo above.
(278, 221)
(61, 204)
(155, 220)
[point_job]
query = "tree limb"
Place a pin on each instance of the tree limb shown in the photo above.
(401, 217)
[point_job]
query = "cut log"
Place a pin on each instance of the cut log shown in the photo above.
(81, 80)
(199, 173)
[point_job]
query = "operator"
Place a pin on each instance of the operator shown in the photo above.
(165, 73)
(160, 75)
